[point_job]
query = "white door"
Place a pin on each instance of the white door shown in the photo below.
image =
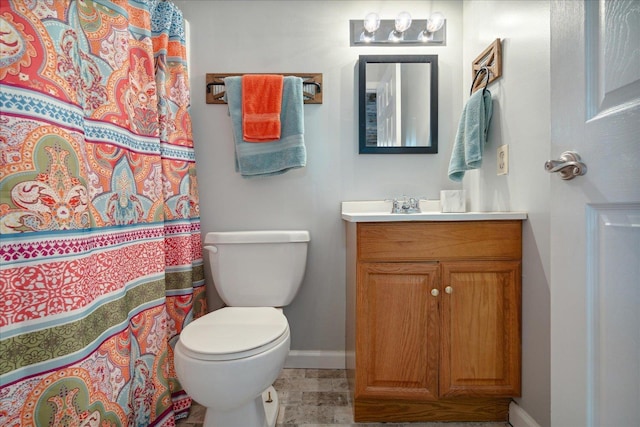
(595, 218)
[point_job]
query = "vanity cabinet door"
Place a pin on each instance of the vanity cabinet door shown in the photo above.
(480, 334)
(397, 331)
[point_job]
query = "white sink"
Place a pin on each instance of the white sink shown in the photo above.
(380, 211)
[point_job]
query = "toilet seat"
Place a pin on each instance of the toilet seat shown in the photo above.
(234, 333)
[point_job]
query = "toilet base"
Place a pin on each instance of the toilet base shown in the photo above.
(261, 412)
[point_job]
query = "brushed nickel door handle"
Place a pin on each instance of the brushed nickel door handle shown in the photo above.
(569, 165)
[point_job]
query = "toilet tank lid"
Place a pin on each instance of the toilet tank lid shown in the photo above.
(271, 236)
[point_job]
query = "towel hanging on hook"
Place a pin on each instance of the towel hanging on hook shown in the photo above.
(473, 129)
(486, 71)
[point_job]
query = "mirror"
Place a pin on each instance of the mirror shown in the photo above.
(398, 103)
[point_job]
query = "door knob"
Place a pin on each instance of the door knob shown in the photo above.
(569, 165)
(448, 289)
(435, 292)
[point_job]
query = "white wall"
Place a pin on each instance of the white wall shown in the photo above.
(309, 36)
(521, 120)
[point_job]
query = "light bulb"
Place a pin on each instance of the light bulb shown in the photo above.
(403, 22)
(371, 22)
(435, 22)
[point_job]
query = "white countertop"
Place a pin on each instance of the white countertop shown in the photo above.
(380, 211)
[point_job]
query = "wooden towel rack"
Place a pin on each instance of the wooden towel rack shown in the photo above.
(311, 86)
(490, 60)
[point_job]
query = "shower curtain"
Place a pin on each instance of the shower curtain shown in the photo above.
(100, 252)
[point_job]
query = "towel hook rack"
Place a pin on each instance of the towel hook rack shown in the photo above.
(491, 59)
(311, 86)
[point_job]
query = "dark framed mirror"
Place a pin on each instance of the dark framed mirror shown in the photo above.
(398, 104)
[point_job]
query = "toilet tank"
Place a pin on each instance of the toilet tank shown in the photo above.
(257, 268)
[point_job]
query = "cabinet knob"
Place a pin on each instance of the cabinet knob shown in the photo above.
(435, 292)
(448, 289)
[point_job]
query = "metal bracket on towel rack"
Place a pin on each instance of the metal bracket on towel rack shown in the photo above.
(311, 86)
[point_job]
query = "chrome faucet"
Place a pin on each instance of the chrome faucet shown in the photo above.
(406, 205)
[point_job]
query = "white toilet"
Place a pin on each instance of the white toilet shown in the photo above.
(228, 359)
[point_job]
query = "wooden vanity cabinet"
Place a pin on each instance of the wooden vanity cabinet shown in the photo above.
(437, 309)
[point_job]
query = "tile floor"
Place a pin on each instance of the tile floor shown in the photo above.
(318, 397)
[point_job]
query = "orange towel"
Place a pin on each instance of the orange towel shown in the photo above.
(261, 105)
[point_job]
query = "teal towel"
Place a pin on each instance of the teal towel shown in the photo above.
(255, 159)
(472, 135)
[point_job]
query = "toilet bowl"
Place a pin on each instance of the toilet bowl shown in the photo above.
(228, 359)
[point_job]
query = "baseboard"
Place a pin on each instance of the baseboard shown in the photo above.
(518, 417)
(315, 359)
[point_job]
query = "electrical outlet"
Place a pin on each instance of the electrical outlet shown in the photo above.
(503, 160)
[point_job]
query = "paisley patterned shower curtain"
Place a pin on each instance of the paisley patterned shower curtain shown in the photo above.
(100, 253)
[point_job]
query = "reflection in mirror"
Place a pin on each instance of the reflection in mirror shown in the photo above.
(398, 97)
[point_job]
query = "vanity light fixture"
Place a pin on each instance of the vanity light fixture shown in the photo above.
(401, 31)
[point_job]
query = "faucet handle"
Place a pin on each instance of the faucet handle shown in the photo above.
(414, 205)
(397, 206)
